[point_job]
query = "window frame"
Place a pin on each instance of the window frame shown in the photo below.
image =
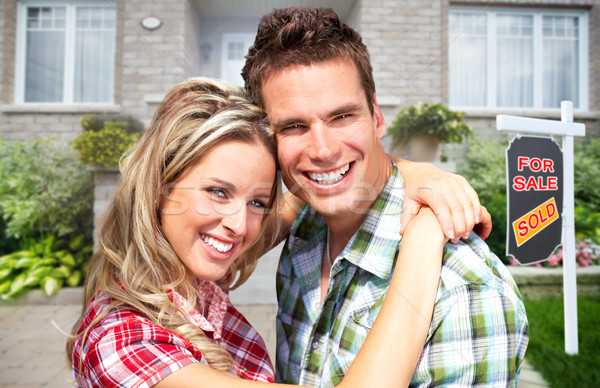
(491, 55)
(69, 73)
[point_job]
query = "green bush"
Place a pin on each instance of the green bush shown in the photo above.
(95, 123)
(429, 120)
(587, 174)
(44, 189)
(484, 168)
(105, 139)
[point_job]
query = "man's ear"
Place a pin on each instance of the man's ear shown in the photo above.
(380, 127)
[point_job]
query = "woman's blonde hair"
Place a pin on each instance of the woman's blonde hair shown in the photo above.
(133, 262)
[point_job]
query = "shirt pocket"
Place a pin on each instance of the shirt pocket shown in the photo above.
(353, 333)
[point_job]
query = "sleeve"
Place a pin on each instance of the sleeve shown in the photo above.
(478, 337)
(137, 354)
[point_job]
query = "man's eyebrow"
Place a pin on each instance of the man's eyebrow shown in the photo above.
(346, 108)
(340, 110)
(284, 123)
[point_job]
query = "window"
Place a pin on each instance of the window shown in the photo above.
(234, 49)
(523, 58)
(65, 53)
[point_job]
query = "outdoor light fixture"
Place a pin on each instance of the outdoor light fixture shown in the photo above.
(151, 23)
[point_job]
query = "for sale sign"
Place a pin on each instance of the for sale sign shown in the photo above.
(535, 179)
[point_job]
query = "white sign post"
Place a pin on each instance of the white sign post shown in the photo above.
(567, 129)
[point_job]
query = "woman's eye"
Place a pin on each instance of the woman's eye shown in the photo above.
(215, 191)
(258, 205)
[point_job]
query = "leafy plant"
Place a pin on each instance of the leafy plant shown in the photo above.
(429, 120)
(43, 189)
(95, 123)
(105, 139)
(45, 263)
(484, 168)
(587, 174)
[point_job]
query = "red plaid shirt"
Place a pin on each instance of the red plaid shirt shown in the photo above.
(127, 350)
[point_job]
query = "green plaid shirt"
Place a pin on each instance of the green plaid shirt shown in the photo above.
(479, 330)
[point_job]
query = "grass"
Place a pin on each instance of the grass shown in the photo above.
(546, 350)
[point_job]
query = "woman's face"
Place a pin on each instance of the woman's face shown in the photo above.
(213, 212)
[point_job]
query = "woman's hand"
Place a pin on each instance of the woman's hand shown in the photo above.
(452, 199)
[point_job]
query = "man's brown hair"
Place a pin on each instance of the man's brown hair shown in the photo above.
(303, 36)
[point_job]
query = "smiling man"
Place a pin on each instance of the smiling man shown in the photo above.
(312, 75)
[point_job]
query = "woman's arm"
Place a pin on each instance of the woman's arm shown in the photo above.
(449, 195)
(393, 347)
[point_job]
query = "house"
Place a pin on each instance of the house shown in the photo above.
(62, 59)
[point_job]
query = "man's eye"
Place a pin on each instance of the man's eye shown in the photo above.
(343, 116)
(291, 127)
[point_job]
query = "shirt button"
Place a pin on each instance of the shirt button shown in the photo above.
(315, 345)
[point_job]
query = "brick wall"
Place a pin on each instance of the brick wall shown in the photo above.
(147, 64)
(408, 45)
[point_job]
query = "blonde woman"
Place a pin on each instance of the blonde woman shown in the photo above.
(197, 204)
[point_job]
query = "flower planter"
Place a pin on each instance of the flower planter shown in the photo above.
(423, 149)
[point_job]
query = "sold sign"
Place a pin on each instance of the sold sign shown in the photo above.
(535, 221)
(535, 174)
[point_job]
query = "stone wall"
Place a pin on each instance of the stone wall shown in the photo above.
(535, 282)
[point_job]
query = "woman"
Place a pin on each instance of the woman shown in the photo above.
(196, 205)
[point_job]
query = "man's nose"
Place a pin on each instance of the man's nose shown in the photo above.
(322, 146)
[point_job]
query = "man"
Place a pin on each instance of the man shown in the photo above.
(312, 75)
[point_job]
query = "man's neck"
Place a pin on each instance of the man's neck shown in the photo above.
(343, 226)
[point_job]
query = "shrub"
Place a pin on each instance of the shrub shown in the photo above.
(43, 189)
(105, 139)
(484, 168)
(587, 173)
(429, 120)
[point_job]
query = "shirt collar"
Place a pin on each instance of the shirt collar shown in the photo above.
(374, 245)
(217, 301)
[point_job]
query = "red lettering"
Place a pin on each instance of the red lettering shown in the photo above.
(519, 183)
(552, 183)
(537, 221)
(551, 209)
(523, 161)
(548, 165)
(535, 164)
(531, 184)
(542, 218)
(522, 227)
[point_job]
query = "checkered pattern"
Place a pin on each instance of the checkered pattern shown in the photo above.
(479, 330)
(128, 350)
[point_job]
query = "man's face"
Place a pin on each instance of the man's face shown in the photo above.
(327, 137)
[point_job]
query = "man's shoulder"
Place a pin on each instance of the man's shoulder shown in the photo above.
(470, 263)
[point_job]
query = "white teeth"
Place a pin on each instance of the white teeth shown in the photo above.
(329, 178)
(219, 246)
